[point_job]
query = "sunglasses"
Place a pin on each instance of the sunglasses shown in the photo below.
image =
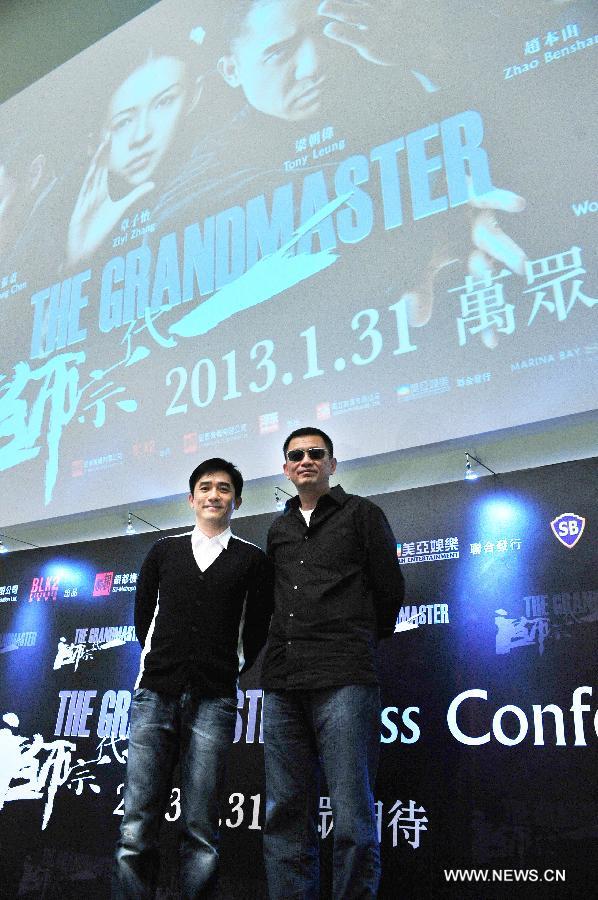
(313, 453)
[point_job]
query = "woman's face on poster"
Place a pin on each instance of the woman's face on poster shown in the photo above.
(143, 116)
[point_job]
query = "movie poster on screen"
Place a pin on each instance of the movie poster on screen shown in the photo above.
(230, 219)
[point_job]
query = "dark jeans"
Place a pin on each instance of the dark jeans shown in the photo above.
(198, 731)
(337, 730)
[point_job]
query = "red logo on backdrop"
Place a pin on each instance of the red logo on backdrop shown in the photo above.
(268, 423)
(568, 528)
(103, 584)
(44, 588)
(323, 411)
(77, 468)
(190, 442)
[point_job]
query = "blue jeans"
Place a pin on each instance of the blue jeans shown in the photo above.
(198, 731)
(336, 731)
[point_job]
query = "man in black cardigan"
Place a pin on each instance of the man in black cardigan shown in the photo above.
(202, 610)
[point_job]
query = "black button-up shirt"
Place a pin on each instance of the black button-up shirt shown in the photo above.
(338, 589)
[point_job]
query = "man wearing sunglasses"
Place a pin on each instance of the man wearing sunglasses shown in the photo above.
(338, 588)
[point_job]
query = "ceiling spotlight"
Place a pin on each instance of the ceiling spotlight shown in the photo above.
(130, 529)
(3, 548)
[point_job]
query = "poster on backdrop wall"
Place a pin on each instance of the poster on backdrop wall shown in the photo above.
(488, 720)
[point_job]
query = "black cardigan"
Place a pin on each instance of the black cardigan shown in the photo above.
(194, 626)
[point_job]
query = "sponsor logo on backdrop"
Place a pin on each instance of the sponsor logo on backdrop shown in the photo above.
(125, 582)
(223, 435)
(144, 448)
(568, 529)
(495, 547)
(431, 550)
(8, 593)
(544, 620)
(80, 467)
(471, 380)
(350, 404)
(190, 444)
(103, 584)
(44, 588)
(193, 441)
(268, 423)
(110, 583)
(89, 641)
(14, 640)
(329, 408)
(419, 390)
(424, 614)
(532, 362)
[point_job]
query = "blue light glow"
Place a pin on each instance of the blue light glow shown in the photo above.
(501, 512)
(65, 574)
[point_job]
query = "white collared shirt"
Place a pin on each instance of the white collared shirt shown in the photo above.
(207, 549)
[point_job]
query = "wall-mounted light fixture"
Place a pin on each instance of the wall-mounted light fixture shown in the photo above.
(470, 472)
(279, 500)
(5, 549)
(130, 529)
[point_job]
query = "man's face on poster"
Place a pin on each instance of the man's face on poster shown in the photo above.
(143, 117)
(280, 59)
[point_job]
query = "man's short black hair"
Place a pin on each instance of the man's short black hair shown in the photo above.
(303, 432)
(208, 466)
(235, 20)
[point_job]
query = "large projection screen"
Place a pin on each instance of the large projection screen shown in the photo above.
(229, 219)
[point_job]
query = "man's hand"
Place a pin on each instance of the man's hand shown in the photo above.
(491, 244)
(492, 249)
(362, 25)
